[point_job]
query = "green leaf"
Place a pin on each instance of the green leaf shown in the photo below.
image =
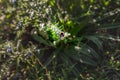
(106, 3)
(86, 49)
(76, 55)
(52, 57)
(91, 1)
(109, 26)
(40, 39)
(95, 40)
(68, 62)
(88, 61)
(80, 26)
(52, 2)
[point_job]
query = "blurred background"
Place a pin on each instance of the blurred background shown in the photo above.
(59, 39)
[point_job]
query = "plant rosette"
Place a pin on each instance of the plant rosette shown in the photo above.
(56, 35)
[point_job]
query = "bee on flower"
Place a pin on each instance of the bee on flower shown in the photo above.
(63, 35)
